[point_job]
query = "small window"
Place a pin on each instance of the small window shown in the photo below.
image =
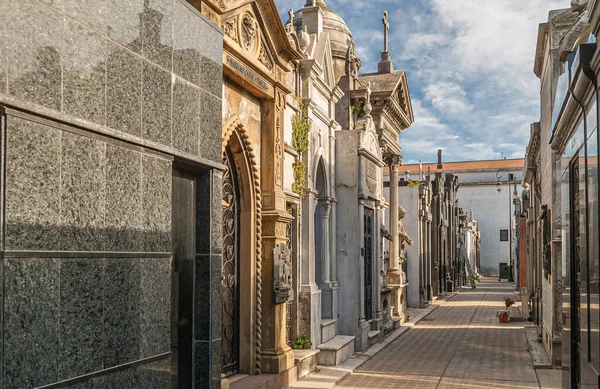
(503, 235)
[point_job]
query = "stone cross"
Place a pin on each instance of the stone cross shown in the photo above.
(386, 29)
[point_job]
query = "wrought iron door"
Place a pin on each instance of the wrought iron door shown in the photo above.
(368, 246)
(230, 269)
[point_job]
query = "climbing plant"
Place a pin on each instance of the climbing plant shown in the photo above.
(299, 178)
(300, 139)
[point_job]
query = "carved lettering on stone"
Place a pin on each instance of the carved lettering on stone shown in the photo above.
(371, 177)
(282, 274)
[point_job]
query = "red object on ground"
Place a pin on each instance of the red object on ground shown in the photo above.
(503, 318)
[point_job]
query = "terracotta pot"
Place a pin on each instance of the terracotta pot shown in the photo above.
(503, 318)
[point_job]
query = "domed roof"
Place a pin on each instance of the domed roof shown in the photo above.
(339, 33)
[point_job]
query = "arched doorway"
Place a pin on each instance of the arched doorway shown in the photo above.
(231, 268)
(241, 253)
(319, 214)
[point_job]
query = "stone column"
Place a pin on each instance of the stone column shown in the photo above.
(332, 245)
(276, 355)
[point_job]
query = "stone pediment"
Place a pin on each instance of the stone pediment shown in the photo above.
(254, 30)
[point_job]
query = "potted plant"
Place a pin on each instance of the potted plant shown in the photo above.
(504, 316)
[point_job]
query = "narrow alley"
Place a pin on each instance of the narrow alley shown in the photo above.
(459, 345)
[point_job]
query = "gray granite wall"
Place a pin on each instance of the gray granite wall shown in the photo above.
(113, 92)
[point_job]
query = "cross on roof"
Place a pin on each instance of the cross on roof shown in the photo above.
(386, 28)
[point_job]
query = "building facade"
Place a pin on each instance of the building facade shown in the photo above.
(111, 194)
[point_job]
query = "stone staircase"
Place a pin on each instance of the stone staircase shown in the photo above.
(336, 350)
(328, 329)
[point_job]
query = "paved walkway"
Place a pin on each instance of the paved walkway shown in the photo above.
(459, 345)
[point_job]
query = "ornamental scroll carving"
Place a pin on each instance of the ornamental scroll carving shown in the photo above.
(265, 58)
(230, 29)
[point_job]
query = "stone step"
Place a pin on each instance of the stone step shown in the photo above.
(336, 351)
(327, 329)
(306, 361)
(375, 337)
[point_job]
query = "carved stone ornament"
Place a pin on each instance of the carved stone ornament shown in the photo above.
(282, 274)
(265, 58)
(230, 29)
(249, 32)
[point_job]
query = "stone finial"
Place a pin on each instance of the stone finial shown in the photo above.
(304, 39)
(291, 15)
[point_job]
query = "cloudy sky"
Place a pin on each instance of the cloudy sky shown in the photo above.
(469, 66)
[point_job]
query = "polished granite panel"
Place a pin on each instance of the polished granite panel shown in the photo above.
(185, 116)
(155, 306)
(208, 364)
(122, 288)
(34, 35)
(203, 212)
(157, 32)
(124, 23)
(156, 104)
(156, 375)
(123, 221)
(216, 297)
(212, 42)
(187, 41)
(83, 192)
(89, 12)
(156, 204)
(209, 145)
(81, 315)
(31, 320)
(123, 90)
(211, 76)
(3, 71)
(84, 73)
(32, 185)
(217, 213)
(202, 319)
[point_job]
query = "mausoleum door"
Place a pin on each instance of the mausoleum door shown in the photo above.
(231, 273)
(368, 263)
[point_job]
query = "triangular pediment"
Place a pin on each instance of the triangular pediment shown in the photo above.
(403, 98)
(254, 29)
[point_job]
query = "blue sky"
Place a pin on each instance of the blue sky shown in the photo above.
(469, 65)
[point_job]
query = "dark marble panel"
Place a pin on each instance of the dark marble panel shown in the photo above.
(122, 288)
(203, 212)
(212, 43)
(185, 116)
(83, 190)
(31, 319)
(4, 7)
(123, 199)
(81, 310)
(202, 364)
(216, 297)
(217, 213)
(216, 358)
(123, 90)
(157, 32)
(156, 104)
(156, 375)
(208, 364)
(187, 40)
(32, 186)
(34, 35)
(124, 22)
(156, 203)
(210, 127)
(84, 73)
(211, 76)
(202, 311)
(155, 307)
(89, 12)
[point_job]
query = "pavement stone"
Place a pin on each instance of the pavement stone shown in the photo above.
(459, 345)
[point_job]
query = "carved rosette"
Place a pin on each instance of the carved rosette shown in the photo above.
(249, 32)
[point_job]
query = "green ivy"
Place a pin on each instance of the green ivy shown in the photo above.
(299, 178)
(302, 342)
(300, 130)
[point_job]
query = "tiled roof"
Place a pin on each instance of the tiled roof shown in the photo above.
(386, 82)
(467, 165)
